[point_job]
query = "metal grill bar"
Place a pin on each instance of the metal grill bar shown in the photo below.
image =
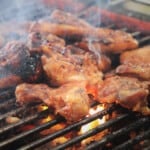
(30, 132)
(134, 34)
(92, 132)
(144, 40)
(22, 122)
(7, 103)
(118, 133)
(15, 111)
(67, 129)
(134, 141)
(124, 29)
(8, 93)
(18, 110)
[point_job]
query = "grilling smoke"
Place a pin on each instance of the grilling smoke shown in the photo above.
(21, 10)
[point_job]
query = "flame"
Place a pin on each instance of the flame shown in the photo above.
(83, 129)
(42, 108)
(93, 125)
(47, 119)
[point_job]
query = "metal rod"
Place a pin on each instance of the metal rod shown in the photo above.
(67, 129)
(134, 141)
(124, 29)
(8, 93)
(91, 132)
(28, 133)
(144, 40)
(18, 110)
(7, 103)
(110, 26)
(118, 133)
(21, 122)
(134, 34)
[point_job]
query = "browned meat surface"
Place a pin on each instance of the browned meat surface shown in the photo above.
(35, 40)
(61, 30)
(8, 79)
(135, 63)
(55, 40)
(127, 91)
(103, 62)
(70, 100)
(62, 69)
(13, 53)
(61, 17)
(67, 25)
(17, 63)
(109, 41)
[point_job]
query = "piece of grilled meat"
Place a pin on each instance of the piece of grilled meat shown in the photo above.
(105, 40)
(8, 79)
(129, 92)
(103, 63)
(108, 41)
(135, 63)
(70, 100)
(64, 68)
(17, 63)
(61, 17)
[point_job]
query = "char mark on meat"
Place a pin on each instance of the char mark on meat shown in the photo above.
(17, 63)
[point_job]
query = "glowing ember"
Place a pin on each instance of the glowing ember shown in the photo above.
(94, 123)
(42, 107)
(47, 119)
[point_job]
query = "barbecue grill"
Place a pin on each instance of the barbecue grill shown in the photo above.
(26, 134)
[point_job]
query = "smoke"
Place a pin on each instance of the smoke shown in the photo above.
(93, 16)
(26, 10)
(22, 10)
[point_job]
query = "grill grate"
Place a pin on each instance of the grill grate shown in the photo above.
(122, 131)
(139, 122)
(68, 129)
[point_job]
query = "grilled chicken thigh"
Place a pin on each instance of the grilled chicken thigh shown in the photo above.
(62, 69)
(135, 63)
(70, 100)
(129, 92)
(104, 40)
